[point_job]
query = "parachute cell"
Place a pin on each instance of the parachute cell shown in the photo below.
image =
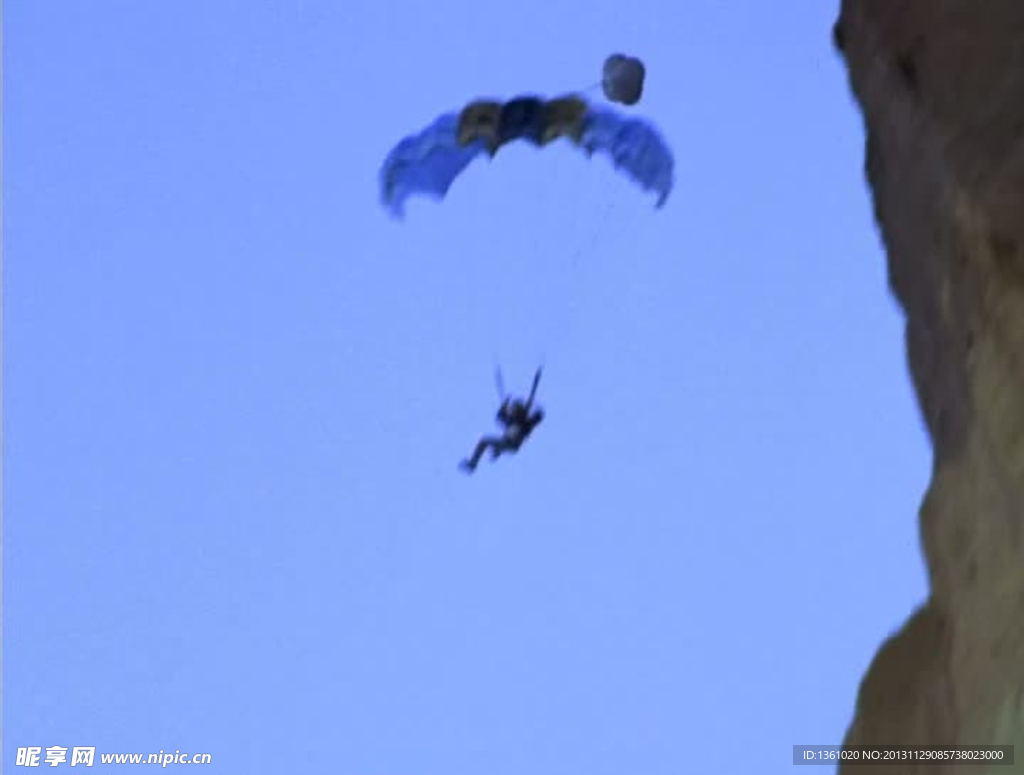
(634, 146)
(564, 117)
(623, 79)
(534, 119)
(522, 118)
(428, 162)
(480, 120)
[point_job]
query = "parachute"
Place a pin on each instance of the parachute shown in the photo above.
(428, 163)
(623, 79)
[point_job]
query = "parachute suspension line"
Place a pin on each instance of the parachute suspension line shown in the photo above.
(499, 381)
(589, 89)
(558, 267)
(536, 245)
(570, 313)
(549, 196)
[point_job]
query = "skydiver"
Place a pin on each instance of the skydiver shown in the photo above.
(518, 419)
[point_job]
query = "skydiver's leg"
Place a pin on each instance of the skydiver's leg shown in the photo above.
(499, 447)
(470, 463)
(473, 460)
(510, 444)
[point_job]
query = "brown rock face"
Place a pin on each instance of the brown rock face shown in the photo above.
(941, 87)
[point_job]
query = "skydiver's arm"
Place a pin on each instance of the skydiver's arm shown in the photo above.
(533, 390)
(502, 415)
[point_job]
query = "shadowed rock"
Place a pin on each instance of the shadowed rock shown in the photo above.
(940, 84)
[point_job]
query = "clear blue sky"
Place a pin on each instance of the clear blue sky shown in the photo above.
(236, 394)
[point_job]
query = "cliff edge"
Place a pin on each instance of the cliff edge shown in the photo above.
(940, 84)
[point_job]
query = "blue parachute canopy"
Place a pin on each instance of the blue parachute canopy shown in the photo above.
(428, 163)
(634, 146)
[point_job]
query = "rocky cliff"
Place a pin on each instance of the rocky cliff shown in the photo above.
(940, 84)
